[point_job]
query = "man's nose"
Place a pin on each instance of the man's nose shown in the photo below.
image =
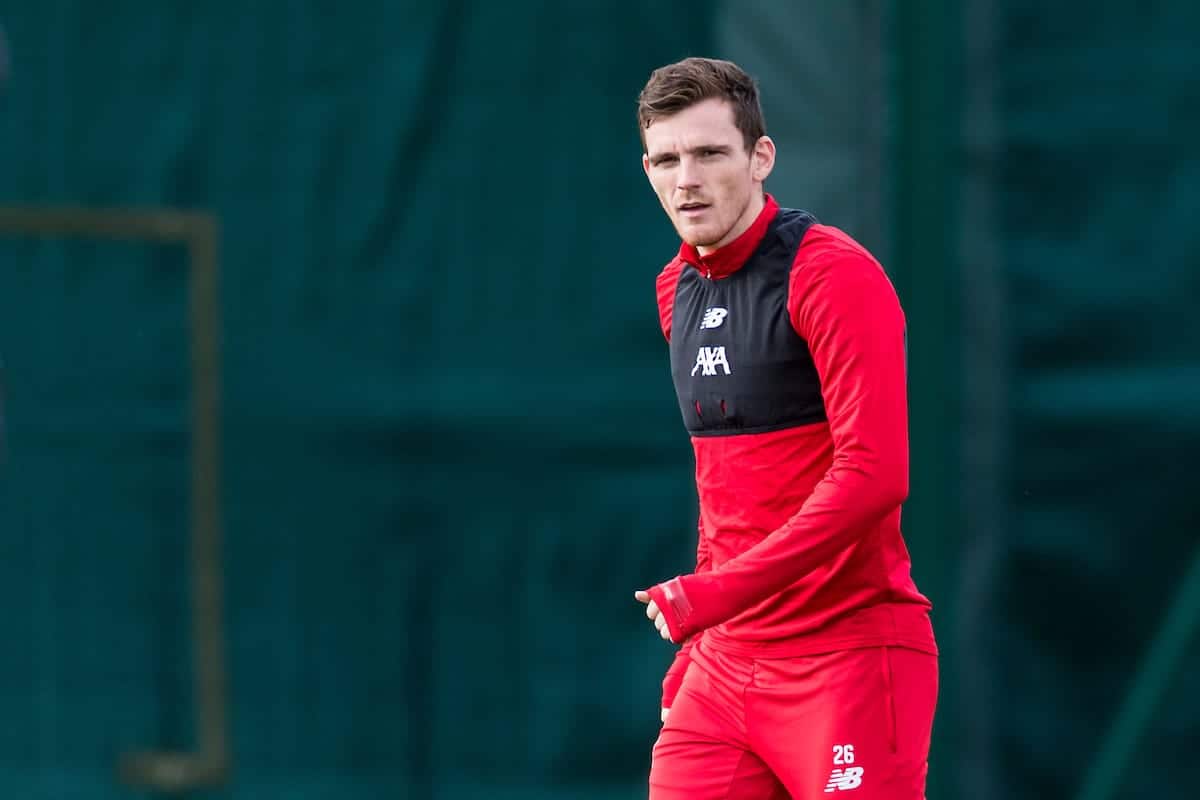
(688, 176)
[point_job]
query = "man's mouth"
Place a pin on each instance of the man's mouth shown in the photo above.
(691, 209)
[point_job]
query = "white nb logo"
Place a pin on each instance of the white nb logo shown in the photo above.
(713, 317)
(843, 779)
(709, 358)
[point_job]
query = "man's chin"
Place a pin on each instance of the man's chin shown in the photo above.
(697, 238)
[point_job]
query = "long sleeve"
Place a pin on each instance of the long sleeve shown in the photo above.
(846, 309)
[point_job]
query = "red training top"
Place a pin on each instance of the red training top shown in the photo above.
(800, 550)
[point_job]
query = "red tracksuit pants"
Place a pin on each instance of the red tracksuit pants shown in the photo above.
(849, 725)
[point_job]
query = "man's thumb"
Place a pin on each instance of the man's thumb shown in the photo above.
(641, 596)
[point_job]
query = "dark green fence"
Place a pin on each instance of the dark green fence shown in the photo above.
(448, 445)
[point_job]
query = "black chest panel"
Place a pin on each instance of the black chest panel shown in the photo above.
(738, 364)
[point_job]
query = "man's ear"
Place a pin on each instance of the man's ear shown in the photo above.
(646, 164)
(762, 159)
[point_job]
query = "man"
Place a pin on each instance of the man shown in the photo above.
(808, 663)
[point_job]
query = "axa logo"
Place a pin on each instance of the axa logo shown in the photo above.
(708, 359)
(713, 317)
(844, 779)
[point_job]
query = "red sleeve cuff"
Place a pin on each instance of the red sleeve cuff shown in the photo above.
(672, 601)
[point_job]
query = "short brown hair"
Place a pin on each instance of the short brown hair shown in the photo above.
(677, 86)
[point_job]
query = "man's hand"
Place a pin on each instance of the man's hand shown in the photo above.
(654, 614)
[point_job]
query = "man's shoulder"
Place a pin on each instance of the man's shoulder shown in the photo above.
(831, 262)
(665, 285)
(830, 237)
(827, 246)
(670, 272)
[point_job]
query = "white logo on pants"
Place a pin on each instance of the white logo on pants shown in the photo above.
(844, 779)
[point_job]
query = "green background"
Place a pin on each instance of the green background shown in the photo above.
(450, 445)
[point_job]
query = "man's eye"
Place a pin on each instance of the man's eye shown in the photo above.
(665, 160)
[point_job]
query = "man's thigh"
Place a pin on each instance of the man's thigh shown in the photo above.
(855, 720)
(687, 767)
(701, 752)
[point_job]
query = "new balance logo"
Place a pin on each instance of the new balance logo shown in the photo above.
(844, 779)
(709, 358)
(713, 317)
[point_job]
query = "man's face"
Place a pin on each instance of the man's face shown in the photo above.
(708, 184)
